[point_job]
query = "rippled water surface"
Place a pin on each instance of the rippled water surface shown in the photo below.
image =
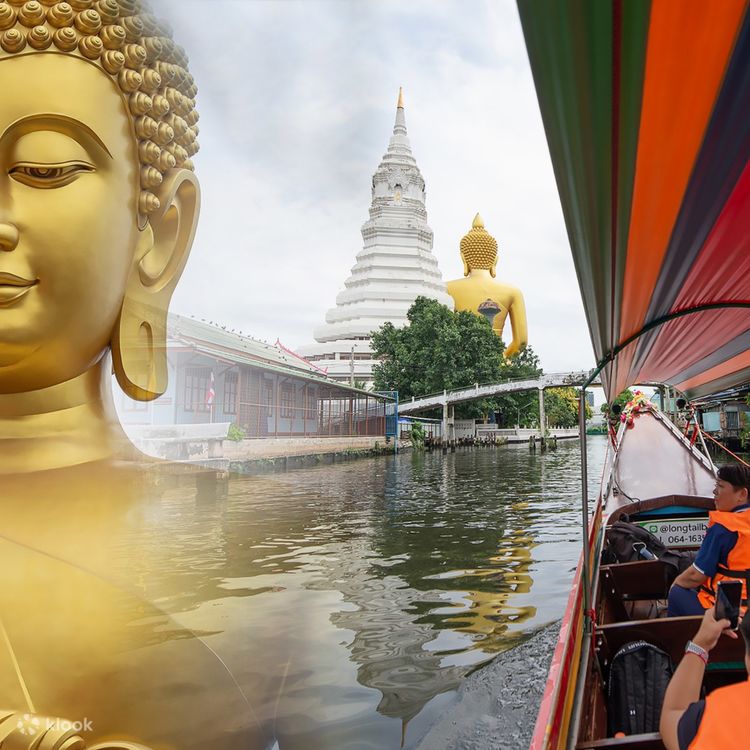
(351, 600)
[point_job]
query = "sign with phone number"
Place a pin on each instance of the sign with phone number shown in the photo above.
(677, 532)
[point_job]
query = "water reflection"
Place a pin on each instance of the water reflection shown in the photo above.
(346, 597)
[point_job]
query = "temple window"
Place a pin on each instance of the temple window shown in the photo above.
(196, 388)
(230, 392)
(287, 401)
(310, 403)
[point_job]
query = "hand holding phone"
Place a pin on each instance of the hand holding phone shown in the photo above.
(728, 599)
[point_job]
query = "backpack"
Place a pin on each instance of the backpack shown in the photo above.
(625, 539)
(638, 678)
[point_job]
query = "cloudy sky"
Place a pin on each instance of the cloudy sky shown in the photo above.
(297, 102)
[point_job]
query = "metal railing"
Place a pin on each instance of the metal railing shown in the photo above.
(488, 390)
(345, 417)
(577, 378)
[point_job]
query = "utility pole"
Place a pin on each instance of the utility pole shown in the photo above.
(351, 368)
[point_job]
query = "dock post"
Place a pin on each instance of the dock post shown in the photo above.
(444, 426)
(542, 416)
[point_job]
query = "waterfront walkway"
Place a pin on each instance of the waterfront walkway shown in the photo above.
(477, 391)
(524, 434)
(447, 400)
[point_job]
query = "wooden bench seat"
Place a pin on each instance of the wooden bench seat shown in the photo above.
(670, 634)
(645, 579)
(625, 583)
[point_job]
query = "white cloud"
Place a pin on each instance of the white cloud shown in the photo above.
(297, 101)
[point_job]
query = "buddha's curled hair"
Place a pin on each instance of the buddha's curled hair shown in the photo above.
(134, 48)
(479, 247)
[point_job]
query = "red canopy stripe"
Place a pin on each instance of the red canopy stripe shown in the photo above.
(688, 48)
(740, 362)
(731, 349)
(721, 272)
(722, 269)
(692, 338)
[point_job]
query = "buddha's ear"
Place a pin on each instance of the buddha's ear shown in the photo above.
(493, 269)
(140, 336)
(467, 270)
(173, 226)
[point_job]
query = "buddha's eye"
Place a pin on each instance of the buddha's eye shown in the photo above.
(48, 176)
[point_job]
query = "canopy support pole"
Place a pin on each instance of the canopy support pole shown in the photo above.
(586, 574)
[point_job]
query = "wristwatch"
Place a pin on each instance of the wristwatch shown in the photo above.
(693, 648)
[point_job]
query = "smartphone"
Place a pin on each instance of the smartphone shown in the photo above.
(728, 598)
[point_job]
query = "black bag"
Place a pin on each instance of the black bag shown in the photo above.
(624, 540)
(638, 678)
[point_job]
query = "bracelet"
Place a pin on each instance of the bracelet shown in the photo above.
(701, 653)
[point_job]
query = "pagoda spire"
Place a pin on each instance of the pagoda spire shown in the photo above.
(399, 127)
(394, 267)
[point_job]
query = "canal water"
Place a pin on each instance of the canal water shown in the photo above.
(351, 600)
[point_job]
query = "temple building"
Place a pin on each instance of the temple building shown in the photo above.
(395, 266)
(221, 376)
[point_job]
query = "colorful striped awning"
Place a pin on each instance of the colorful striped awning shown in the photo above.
(646, 105)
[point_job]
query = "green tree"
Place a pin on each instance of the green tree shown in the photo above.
(621, 400)
(236, 433)
(561, 407)
(438, 350)
(519, 408)
(442, 350)
(416, 435)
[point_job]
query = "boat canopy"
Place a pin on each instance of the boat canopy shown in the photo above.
(646, 107)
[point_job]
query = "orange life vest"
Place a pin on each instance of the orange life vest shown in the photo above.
(724, 719)
(738, 560)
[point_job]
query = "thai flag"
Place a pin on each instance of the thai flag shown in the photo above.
(211, 395)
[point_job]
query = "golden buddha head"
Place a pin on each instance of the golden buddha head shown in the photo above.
(98, 200)
(479, 248)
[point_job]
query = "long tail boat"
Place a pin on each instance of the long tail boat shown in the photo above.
(646, 108)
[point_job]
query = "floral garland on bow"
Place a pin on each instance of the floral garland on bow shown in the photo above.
(639, 404)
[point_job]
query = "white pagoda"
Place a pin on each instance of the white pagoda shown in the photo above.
(394, 267)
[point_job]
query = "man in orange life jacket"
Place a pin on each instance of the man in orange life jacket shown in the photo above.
(725, 552)
(719, 721)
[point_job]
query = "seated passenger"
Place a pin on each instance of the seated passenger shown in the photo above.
(725, 552)
(717, 722)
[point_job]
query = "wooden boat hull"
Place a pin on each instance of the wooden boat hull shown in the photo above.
(564, 709)
(558, 700)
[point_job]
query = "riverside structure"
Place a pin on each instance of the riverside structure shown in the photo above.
(447, 400)
(220, 376)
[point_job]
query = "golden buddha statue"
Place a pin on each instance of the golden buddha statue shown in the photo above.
(480, 293)
(98, 209)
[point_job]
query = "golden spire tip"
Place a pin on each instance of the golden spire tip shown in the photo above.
(400, 104)
(478, 223)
